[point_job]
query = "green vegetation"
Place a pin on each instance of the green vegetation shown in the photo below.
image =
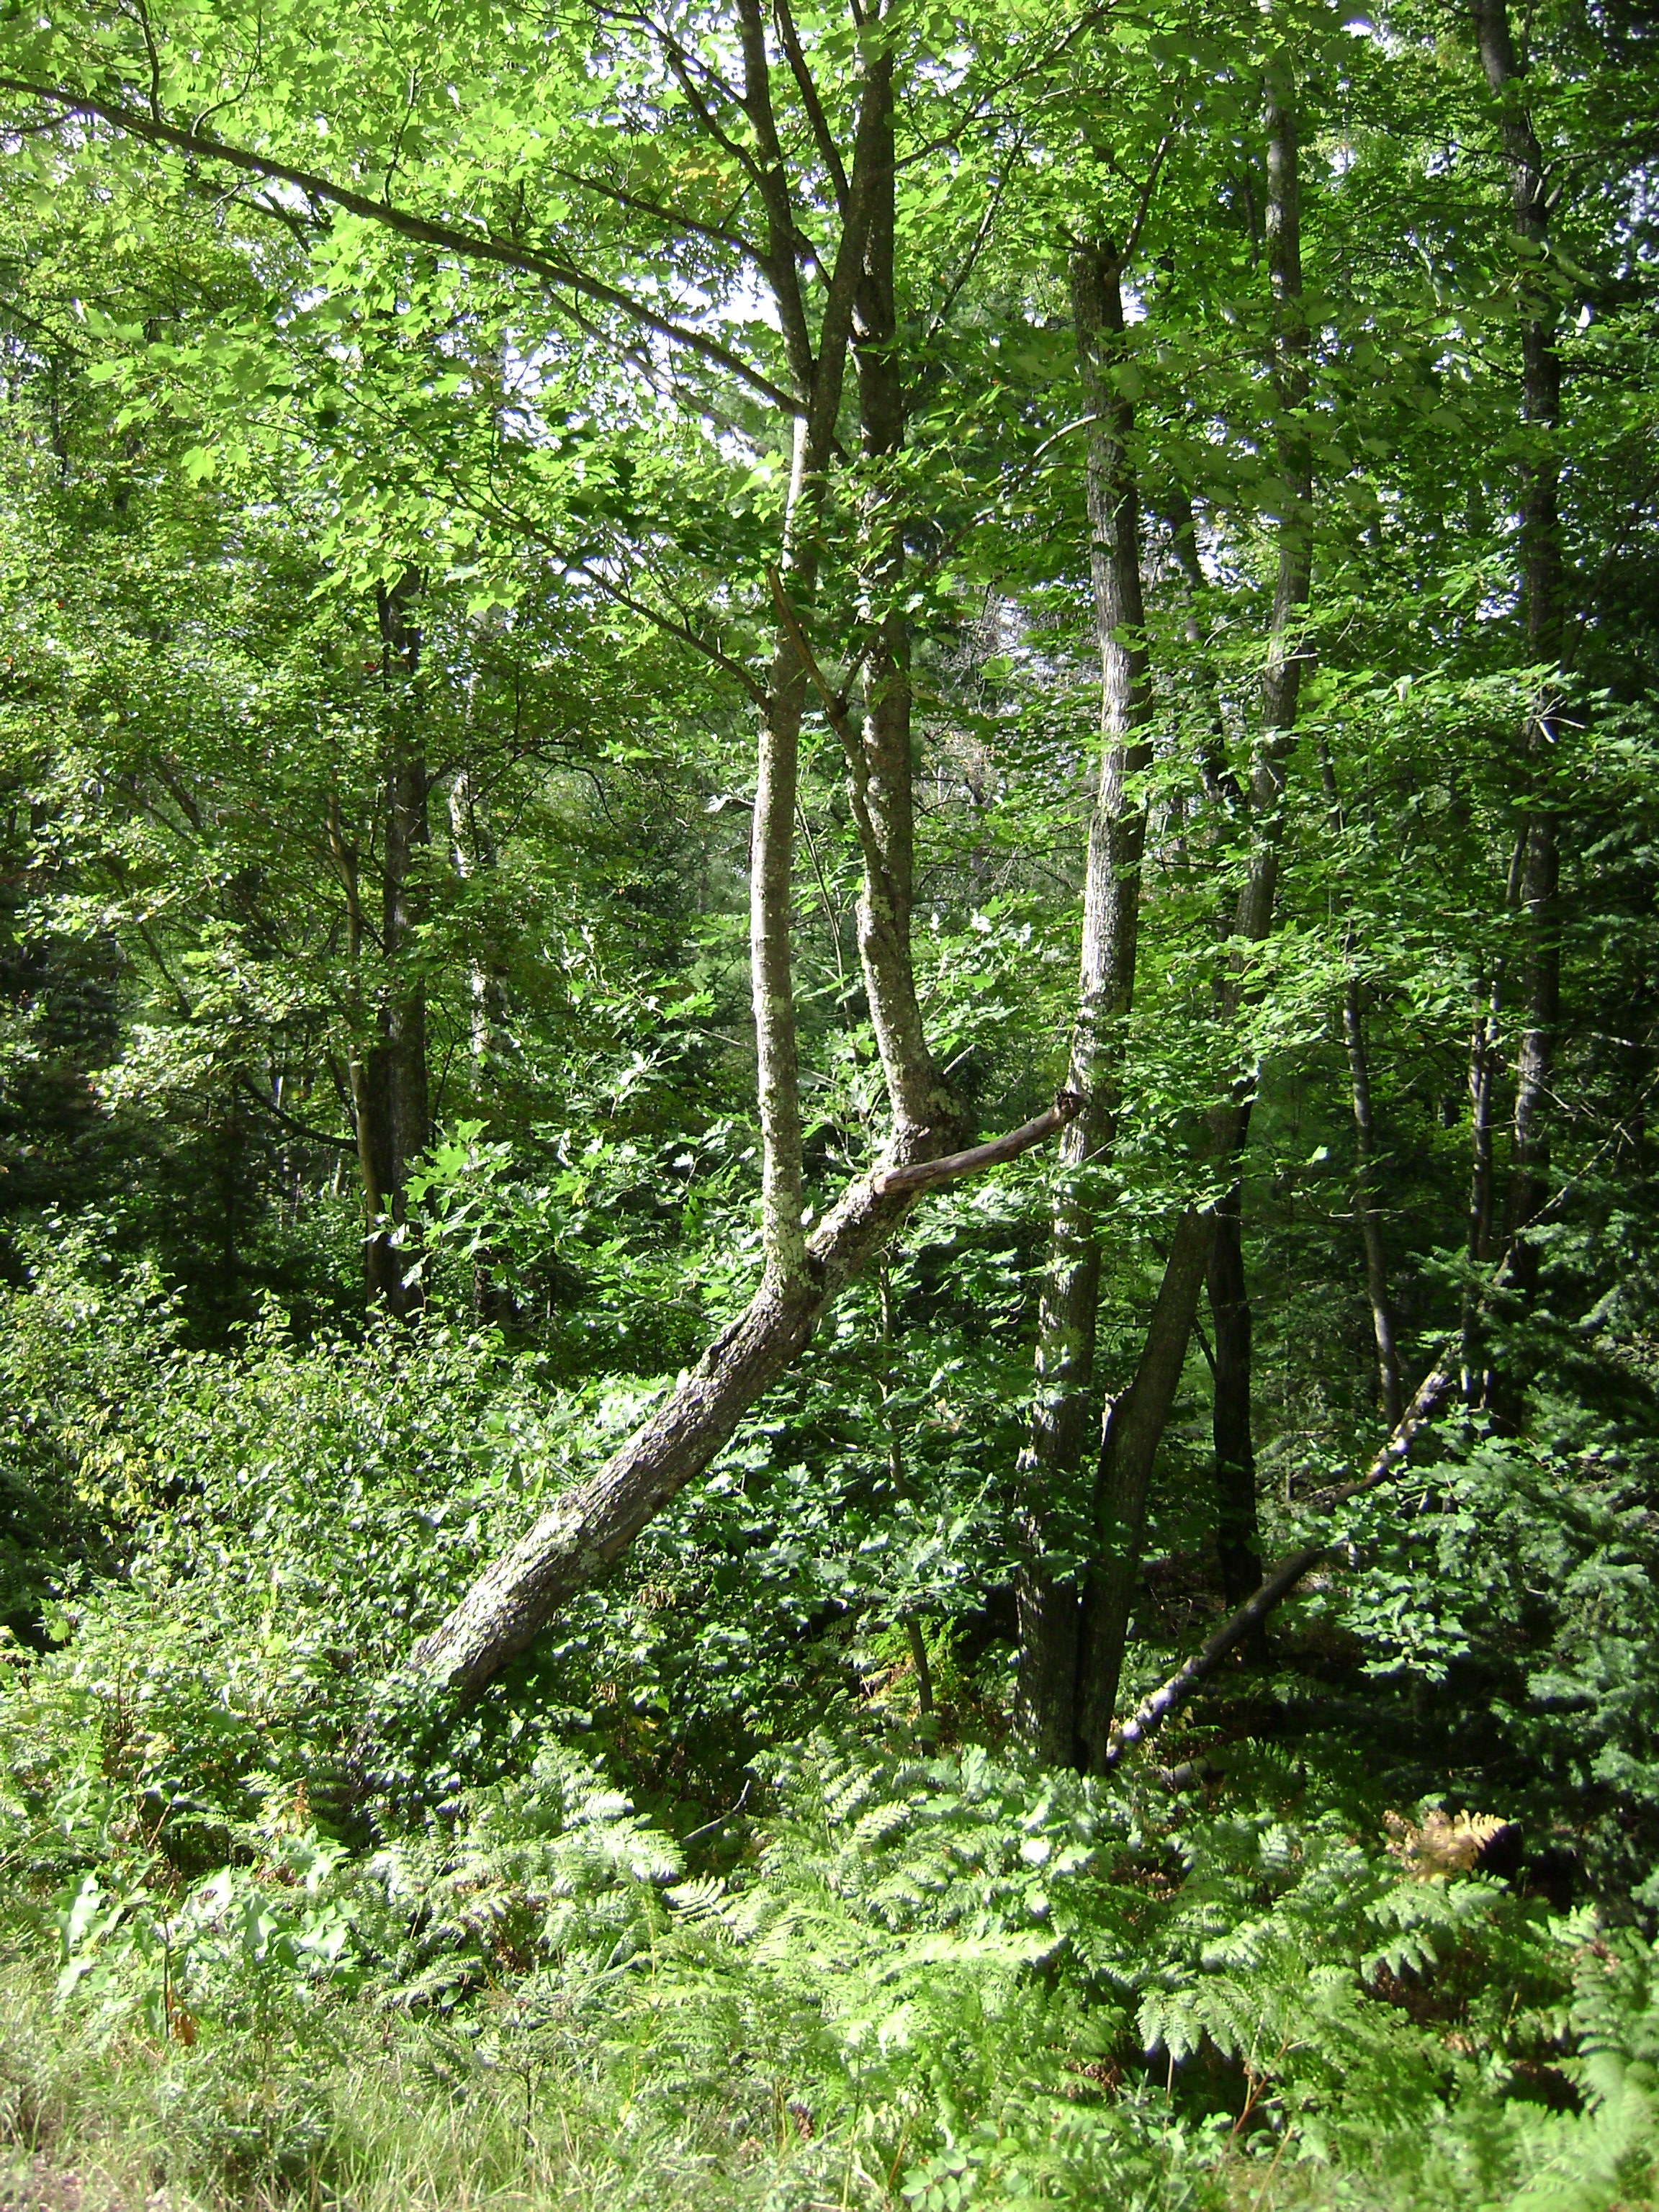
(829, 1215)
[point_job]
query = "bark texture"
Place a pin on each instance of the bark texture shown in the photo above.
(1046, 1584)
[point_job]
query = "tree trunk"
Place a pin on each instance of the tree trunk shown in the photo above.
(585, 1532)
(1365, 1206)
(387, 1067)
(1281, 683)
(1221, 784)
(880, 764)
(1124, 1474)
(473, 849)
(1046, 1583)
(1134, 1427)
(1485, 1065)
(1543, 578)
(1238, 1531)
(1364, 1191)
(394, 1073)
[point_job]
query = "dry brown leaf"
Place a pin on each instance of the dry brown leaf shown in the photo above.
(1447, 1843)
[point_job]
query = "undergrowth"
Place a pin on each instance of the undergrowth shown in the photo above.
(634, 1936)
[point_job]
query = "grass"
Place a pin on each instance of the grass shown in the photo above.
(365, 2112)
(350, 2110)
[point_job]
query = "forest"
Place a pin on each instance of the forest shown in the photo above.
(829, 1105)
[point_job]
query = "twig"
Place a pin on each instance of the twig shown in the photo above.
(721, 1819)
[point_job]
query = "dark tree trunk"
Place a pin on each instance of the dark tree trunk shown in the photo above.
(1238, 1531)
(1365, 1205)
(1485, 1066)
(390, 1088)
(1366, 1208)
(1131, 1438)
(1054, 1531)
(1134, 1427)
(1542, 580)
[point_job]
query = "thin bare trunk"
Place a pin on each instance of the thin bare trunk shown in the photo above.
(918, 1661)
(1485, 1066)
(387, 1067)
(1221, 784)
(396, 1068)
(1542, 580)
(1047, 1587)
(1365, 1205)
(474, 854)
(1366, 1209)
(1238, 1531)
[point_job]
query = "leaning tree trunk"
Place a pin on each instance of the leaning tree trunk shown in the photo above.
(585, 1531)
(1046, 1584)
(1130, 1441)
(1542, 577)
(1134, 1427)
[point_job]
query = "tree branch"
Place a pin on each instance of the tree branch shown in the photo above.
(808, 94)
(479, 244)
(1277, 1585)
(292, 1122)
(928, 1174)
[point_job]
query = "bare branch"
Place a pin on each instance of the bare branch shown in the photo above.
(1279, 1581)
(928, 1174)
(814, 106)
